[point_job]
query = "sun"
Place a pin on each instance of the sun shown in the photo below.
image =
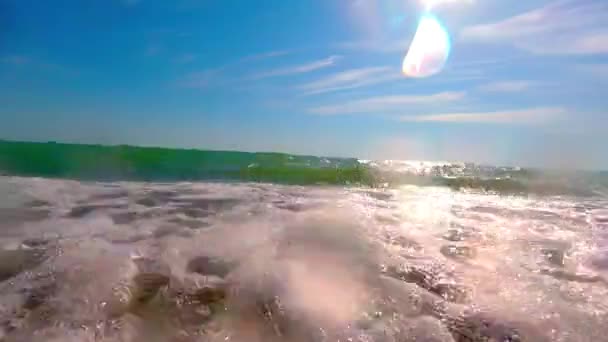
(429, 49)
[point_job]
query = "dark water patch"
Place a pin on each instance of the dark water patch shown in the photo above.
(458, 252)
(35, 242)
(156, 198)
(428, 280)
(295, 207)
(172, 309)
(84, 210)
(408, 299)
(148, 285)
(13, 262)
(574, 277)
(194, 213)
(14, 216)
(151, 265)
(211, 205)
(454, 235)
(423, 329)
(418, 276)
(37, 296)
(380, 195)
(108, 196)
(209, 294)
(600, 262)
(291, 206)
(36, 203)
(406, 243)
(168, 230)
(165, 230)
(587, 207)
(452, 292)
(457, 233)
(189, 223)
(129, 239)
(198, 301)
(387, 219)
(210, 266)
(124, 217)
(554, 252)
(148, 202)
(554, 256)
(482, 327)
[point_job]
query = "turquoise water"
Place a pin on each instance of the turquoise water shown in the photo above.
(103, 163)
(95, 162)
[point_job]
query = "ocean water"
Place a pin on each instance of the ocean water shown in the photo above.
(322, 250)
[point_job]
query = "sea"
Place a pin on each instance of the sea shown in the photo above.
(123, 243)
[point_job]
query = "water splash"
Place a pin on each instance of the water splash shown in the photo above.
(429, 49)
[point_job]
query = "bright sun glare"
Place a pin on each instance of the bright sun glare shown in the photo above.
(429, 49)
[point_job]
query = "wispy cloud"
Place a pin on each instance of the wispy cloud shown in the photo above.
(565, 27)
(350, 79)
(215, 75)
(506, 86)
(536, 115)
(265, 55)
(299, 69)
(382, 104)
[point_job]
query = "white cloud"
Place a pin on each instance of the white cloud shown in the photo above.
(564, 27)
(382, 46)
(299, 69)
(536, 115)
(218, 75)
(380, 104)
(350, 79)
(506, 86)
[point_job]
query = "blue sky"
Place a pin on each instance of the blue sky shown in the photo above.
(526, 82)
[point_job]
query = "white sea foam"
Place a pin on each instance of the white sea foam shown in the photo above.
(538, 265)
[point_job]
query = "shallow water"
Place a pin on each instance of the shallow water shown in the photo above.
(132, 261)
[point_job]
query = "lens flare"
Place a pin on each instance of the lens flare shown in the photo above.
(429, 49)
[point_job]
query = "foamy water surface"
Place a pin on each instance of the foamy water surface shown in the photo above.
(260, 262)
